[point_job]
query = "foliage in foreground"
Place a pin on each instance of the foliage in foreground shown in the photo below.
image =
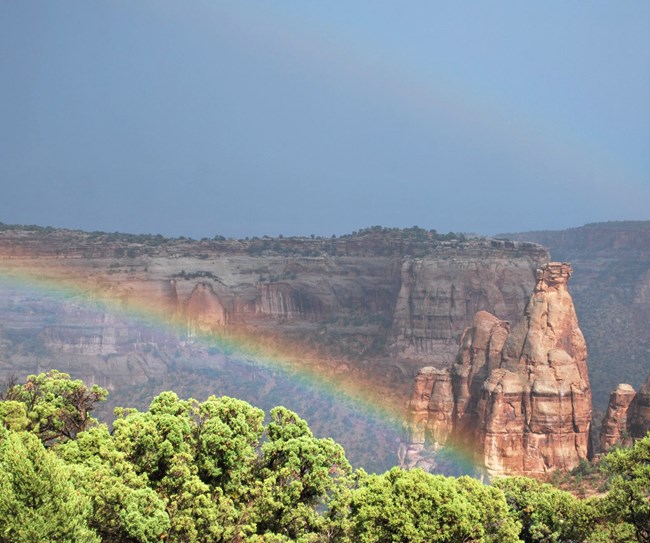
(217, 471)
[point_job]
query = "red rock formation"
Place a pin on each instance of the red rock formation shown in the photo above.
(499, 437)
(614, 429)
(441, 405)
(480, 353)
(627, 417)
(522, 400)
(612, 278)
(547, 357)
(430, 415)
(418, 410)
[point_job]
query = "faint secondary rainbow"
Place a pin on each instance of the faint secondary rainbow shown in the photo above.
(525, 137)
(271, 352)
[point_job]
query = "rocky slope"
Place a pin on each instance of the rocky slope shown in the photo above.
(611, 291)
(127, 311)
(518, 398)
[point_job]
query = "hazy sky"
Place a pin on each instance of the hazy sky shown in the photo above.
(244, 118)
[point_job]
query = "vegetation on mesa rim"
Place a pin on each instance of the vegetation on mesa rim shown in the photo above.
(384, 240)
(414, 232)
(215, 471)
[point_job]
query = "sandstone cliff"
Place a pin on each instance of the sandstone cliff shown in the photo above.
(520, 398)
(124, 310)
(392, 299)
(438, 298)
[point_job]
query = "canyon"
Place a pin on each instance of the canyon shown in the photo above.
(136, 314)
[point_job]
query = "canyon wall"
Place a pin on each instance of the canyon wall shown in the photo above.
(117, 308)
(127, 311)
(518, 398)
(438, 298)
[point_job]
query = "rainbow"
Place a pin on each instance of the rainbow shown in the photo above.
(309, 371)
(433, 97)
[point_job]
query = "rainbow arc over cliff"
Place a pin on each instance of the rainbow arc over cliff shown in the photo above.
(304, 367)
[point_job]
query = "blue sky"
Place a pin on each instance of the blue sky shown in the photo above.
(237, 118)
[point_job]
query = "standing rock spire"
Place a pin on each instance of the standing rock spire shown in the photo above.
(522, 399)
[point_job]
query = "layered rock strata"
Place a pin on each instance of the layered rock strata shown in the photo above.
(520, 398)
(438, 298)
(376, 301)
